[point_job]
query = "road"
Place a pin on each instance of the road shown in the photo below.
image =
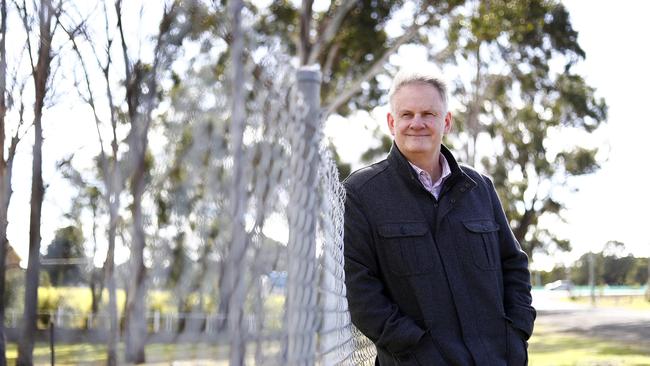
(610, 323)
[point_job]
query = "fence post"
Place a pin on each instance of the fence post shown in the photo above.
(647, 285)
(52, 360)
(302, 217)
(156, 321)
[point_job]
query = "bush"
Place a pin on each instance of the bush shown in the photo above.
(14, 289)
(49, 300)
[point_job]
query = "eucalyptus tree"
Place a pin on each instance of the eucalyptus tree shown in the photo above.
(89, 198)
(350, 42)
(511, 64)
(132, 69)
(523, 94)
(66, 256)
(40, 52)
(10, 94)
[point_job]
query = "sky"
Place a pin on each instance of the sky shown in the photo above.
(611, 204)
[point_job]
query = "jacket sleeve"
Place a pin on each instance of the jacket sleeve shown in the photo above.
(516, 277)
(372, 312)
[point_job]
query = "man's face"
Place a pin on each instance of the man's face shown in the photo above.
(418, 120)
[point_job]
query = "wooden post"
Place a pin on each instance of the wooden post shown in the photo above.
(52, 359)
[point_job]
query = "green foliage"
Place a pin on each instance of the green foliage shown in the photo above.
(612, 267)
(518, 100)
(384, 147)
(360, 41)
(68, 243)
(14, 289)
(557, 273)
(49, 300)
(611, 270)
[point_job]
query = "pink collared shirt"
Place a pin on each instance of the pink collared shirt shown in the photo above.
(433, 187)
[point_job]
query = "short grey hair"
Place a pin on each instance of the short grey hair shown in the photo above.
(415, 76)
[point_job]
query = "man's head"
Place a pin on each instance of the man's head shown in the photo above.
(410, 76)
(418, 116)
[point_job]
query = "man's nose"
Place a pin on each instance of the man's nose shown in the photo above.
(418, 122)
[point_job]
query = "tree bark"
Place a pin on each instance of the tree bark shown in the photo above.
(109, 272)
(136, 311)
(40, 75)
(5, 178)
(304, 43)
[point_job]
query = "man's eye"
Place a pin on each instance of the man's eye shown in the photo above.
(406, 115)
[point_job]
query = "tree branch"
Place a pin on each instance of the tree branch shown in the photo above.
(355, 86)
(28, 29)
(305, 28)
(331, 30)
(127, 63)
(3, 79)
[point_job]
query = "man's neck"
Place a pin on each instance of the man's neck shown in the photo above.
(428, 163)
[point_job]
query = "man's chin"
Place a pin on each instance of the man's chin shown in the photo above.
(419, 149)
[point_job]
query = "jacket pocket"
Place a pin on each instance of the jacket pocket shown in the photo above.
(407, 247)
(517, 347)
(483, 242)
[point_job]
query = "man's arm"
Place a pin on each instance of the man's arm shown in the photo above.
(371, 310)
(516, 277)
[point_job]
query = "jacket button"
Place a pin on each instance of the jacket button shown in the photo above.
(402, 230)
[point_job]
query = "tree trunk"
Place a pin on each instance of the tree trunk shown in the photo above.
(96, 277)
(40, 74)
(136, 311)
(5, 178)
(304, 44)
(521, 230)
(109, 272)
(473, 127)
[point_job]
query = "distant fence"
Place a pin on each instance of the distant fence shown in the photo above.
(581, 291)
(157, 322)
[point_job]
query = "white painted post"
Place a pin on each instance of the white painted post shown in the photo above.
(303, 215)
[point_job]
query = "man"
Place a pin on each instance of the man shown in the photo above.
(433, 272)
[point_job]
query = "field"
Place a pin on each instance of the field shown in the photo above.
(547, 348)
(550, 348)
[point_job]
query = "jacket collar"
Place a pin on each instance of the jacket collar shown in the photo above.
(404, 169)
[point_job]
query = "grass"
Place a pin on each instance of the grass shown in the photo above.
(549, 348)
(95, 354)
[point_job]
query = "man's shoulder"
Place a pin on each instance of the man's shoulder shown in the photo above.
(361, 177)
(474, 174)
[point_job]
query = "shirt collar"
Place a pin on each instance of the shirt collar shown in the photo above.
(426, 180)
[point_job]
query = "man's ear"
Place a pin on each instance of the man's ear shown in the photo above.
(449, 121)
(391, 123)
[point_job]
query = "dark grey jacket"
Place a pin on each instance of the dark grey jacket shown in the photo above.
(434, 282)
